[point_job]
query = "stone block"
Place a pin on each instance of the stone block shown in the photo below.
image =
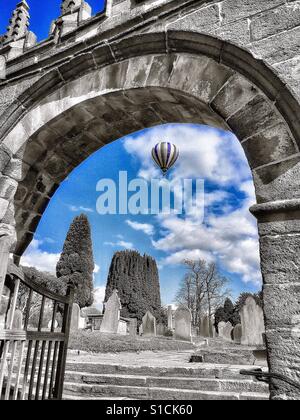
(282, 303)
(273, 144)
(233, 10)
(138, 71)
(254, 117)
(289, 72)
(3, 207)
(8, 187)
(280, 259)
(16, 169)
(278, 181)
(235, 94)
(275, 21)
(278, 48)
(203, 77)
(4, 159)
(285, 348)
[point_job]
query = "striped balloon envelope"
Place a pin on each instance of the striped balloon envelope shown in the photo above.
(165, 155)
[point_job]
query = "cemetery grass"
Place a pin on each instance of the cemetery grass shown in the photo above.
(96, 342)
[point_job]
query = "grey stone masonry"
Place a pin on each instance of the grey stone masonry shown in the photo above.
(231, 64)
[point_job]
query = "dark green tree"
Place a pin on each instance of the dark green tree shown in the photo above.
(227, 313)
(76, 264)
(258, 297)
(137, 280)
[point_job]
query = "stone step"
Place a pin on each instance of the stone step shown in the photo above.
(203, 370)
(150, 393)
(230, 356)
(198, 384)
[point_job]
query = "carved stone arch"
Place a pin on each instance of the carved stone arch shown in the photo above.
(108, 92)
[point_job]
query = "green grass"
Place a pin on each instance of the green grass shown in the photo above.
(96, 342)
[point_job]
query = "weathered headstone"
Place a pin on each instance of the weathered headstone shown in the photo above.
(227, 331)
(75, 317)
(4, 303)
(161, 329)
(212, 330)
(205, 327)
(170, 317)
(111, 318)
(237, 334)
(18, 320)
(149, 325)
(183, 324)
(221, 327)
(122, 329)
(82, 322)
(132, 327)
(50, 324)
(252, 320)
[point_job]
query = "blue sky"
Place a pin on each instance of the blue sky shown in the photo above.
(228, 234)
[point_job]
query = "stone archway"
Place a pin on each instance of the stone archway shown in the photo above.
(76, 109)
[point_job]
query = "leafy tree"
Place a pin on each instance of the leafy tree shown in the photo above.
(76, 264)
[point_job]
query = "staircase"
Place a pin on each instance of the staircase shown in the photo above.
(86, 381)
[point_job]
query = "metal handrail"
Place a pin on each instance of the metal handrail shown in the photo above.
(262, 376)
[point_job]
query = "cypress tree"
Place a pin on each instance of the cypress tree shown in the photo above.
(76, 264)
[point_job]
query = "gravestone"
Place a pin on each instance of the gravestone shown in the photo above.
(122, 329)
(50, 324)
(183, 324)
(132, 327)
(170, 317)
(253, 326)
(237, 334)
(111, 318)
(221, 327)
(82, 322)
(212, 330)
(149, 325)
(161, 329)
(4, 303)
(227, 331)
(206, 327)
(75, 317)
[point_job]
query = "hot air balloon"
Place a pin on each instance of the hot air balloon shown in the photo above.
(165, 155)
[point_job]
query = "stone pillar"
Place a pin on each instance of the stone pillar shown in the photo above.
(279, 230)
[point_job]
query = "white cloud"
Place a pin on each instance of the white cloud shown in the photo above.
(122, 244)
(76, 209)
(204, 153)
(230, 239)
(96, 269)
(41, 260)
(99, 295)
(144, 227)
